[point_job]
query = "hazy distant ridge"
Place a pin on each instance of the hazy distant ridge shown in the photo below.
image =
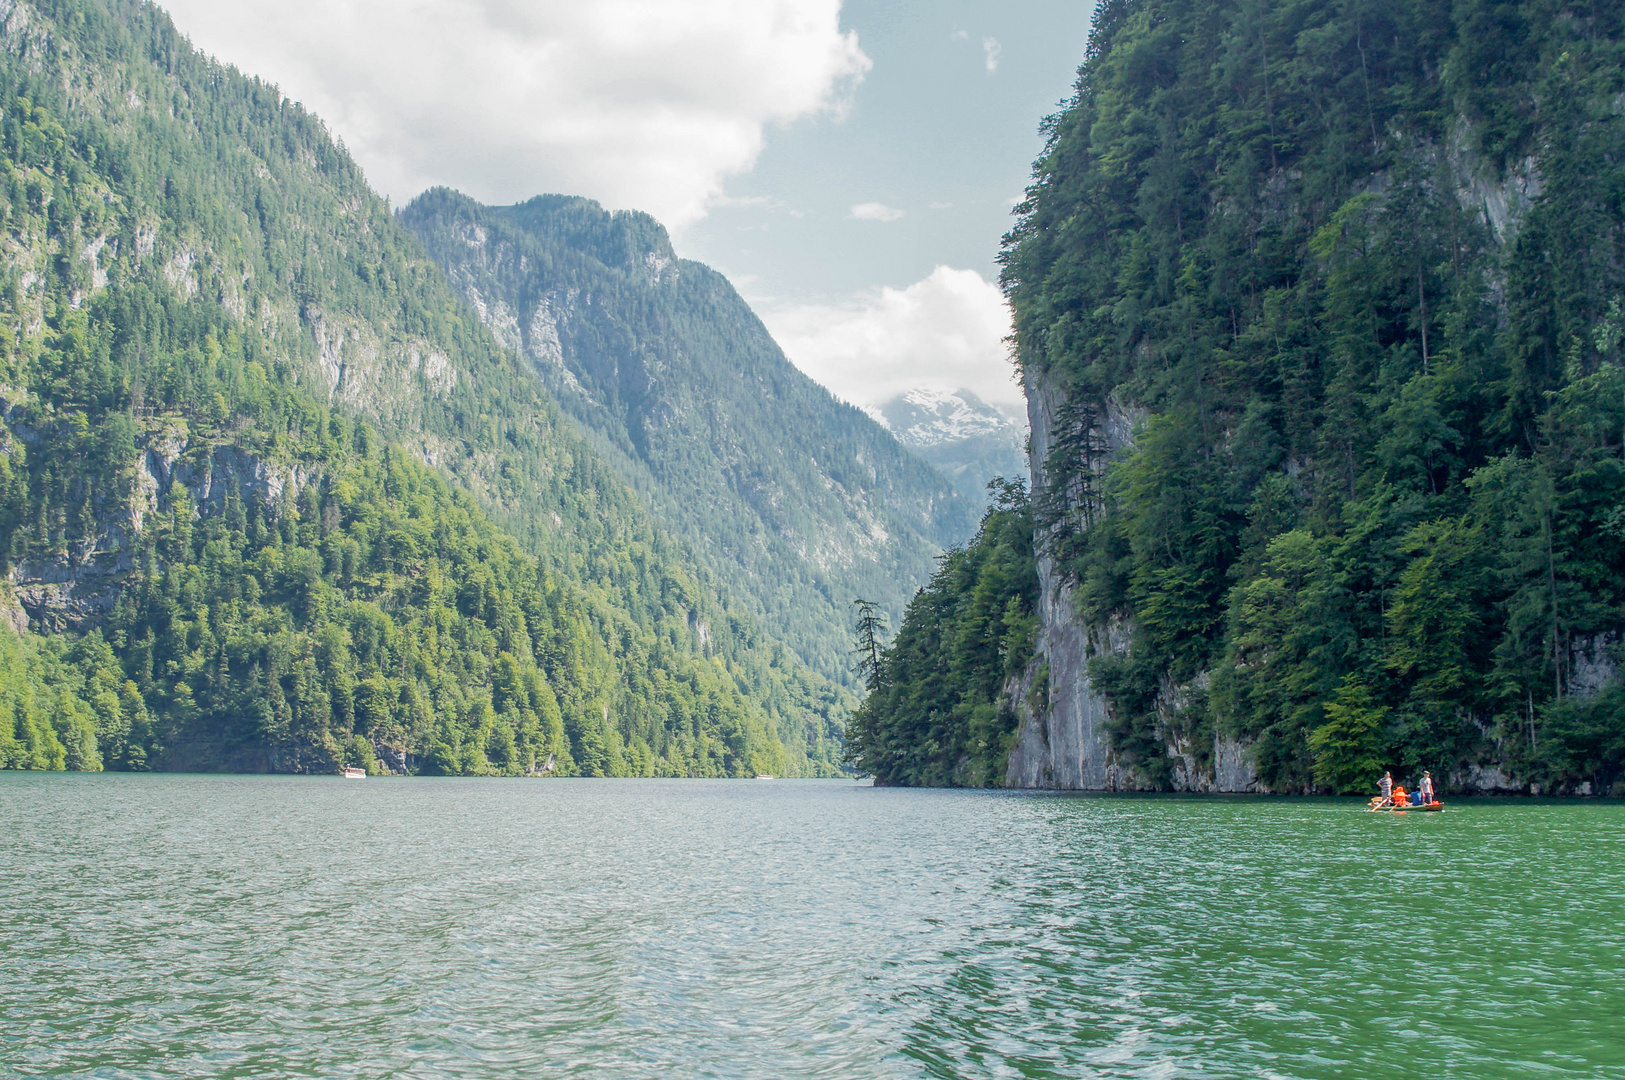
(968, 440)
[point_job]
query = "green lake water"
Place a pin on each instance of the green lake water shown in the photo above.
(166, 926)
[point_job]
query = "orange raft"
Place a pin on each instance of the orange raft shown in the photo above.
(1401, 804)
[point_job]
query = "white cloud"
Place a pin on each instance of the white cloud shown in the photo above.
(650, 104)
(873, 211)
(959, 35)
(990, 53)
(943, 333)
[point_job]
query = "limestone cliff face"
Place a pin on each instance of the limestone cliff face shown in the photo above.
(1062, 742)
(75, 587)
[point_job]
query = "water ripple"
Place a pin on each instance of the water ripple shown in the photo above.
(251, 927)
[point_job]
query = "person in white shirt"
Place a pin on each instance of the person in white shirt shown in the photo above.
(1425, 788)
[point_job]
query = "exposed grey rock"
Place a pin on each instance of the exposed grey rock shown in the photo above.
(1502, 196)
(11, 612)
(1232, 767)
(1062, 741)
(74, 604)
(1487, 780)
(1591, 663)
(78, 588)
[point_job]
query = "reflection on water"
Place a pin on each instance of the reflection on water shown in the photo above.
(267, 926)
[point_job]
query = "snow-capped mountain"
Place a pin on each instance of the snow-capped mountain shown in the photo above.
(967, 439)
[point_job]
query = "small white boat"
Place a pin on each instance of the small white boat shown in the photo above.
(765, 776)
(354, 774)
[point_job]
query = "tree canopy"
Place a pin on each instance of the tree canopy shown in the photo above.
(1325, 300)
(277, 500)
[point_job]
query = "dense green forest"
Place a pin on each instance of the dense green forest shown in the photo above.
(1351, 275)
(257, 461)
(936, 712)
(797, 501)
(379, 614)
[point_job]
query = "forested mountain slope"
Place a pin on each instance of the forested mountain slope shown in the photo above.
(938, 711)
(252, 447)
(1319, 315)
(798, 502)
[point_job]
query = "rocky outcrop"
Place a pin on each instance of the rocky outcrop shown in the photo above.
(76, 588)
(1503, 195)
(226, 470)
(11, 612)
(60, 594)
(1062, 740)
(1592, 663)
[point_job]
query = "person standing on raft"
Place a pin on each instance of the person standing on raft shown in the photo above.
(1386, 786)
(1424, 790)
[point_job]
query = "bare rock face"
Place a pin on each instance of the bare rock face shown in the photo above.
(11, 612)
(1232, 771)
(58, 597)
(1062, 742)
(76, 589)
(1592, 663)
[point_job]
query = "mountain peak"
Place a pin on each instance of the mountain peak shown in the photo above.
(929, 417)
(793, 500)
(962, 435)
(627, 240)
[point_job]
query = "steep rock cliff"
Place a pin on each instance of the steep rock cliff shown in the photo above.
(1063, 741)
(1319, 318)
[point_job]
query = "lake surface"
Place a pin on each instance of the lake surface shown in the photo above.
(165, 926)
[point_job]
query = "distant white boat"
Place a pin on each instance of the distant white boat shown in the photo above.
(354, 774)
(765, 776)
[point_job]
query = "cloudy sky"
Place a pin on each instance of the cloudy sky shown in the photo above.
(849, 166)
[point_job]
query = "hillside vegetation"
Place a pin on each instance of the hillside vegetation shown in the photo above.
(257, 461)
(937, 712)
(795, 501)
(1325, 301)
